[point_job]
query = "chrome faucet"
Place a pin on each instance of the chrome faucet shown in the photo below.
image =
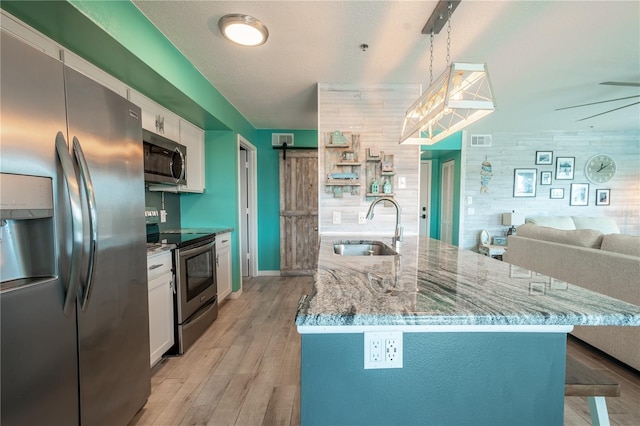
(397, 237)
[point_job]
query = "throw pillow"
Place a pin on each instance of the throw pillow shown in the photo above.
(606, 225)
(576, 237)
(622, 243)
(558, 222)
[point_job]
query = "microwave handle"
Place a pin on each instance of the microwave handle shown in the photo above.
(177, 150)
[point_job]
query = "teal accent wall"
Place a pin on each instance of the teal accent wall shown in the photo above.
(447, 149)
(447, 379)
(269, 193)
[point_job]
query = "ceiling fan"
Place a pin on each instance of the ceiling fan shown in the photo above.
(608, 83)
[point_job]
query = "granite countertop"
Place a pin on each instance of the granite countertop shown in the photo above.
(157, 248)
(433, 283)
(214, 231)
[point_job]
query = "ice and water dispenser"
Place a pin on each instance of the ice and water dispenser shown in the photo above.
(27, 246)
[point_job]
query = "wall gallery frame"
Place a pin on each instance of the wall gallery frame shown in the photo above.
(579, 194)
(544, 157)
(524, 182)
(545, 178)
(556, 193)
(603, 197)
(565, 167)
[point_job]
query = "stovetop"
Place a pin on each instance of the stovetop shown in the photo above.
(178, 237)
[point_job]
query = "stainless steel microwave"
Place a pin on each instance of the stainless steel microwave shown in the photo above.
(165, 161)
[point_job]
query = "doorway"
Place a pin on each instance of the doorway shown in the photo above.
(247, 208)
(446, 208)
(425, 199)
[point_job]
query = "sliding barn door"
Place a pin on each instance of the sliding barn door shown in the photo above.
(298, 212)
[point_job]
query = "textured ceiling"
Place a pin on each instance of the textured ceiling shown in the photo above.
(541, 55)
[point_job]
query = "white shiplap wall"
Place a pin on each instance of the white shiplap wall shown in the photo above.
(376, 113)
(517, 150)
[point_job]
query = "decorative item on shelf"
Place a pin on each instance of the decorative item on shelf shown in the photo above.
(460, 96)
(499, 241)
(485, 175)
(373, 154)
(337, 138)
(348, 156)
(386, 188)
(512, 219)
(375, 187)
(387, 166)
(485, 237)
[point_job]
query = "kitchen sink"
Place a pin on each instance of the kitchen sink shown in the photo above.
(362, 248)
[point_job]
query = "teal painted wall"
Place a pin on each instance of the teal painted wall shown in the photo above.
(269, 193)
(447, 379)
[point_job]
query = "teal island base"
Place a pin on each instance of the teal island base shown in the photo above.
(466, 378)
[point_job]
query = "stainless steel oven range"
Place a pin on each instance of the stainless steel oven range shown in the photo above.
(196, 295)
(194, 265)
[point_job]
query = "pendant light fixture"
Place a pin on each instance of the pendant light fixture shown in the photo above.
(460, 96)
(244, 30)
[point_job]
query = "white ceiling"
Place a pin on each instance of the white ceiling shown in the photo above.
(541, 55)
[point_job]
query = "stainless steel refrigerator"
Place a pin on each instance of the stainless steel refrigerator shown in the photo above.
(73, 296)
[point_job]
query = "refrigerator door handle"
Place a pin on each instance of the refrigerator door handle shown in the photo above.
(93, 221)
(71, 182)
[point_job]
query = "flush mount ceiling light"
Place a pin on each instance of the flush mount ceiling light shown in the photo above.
(459, 97)
(244, 30)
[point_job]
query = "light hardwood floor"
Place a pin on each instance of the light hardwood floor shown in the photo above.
(245, 370)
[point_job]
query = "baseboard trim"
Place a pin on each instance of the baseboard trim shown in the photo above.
(269, 273)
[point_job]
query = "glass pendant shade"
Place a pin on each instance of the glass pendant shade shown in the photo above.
(459, 97)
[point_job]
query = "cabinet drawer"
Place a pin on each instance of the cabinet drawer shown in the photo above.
(158, 264)
(223, 240)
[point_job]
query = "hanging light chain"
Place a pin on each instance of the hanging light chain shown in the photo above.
(431, 59)
(449, 32)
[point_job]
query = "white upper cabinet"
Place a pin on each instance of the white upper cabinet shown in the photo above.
(193, 138)
(156, 118)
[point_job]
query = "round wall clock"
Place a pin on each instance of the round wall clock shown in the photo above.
(600, 168)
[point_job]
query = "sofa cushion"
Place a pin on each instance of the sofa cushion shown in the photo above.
(558, 222)
(577, 237)
(621, 243)
(605, 225)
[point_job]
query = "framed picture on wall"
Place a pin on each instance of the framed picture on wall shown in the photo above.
(545, 178)
(556, 193)
(579, 194)
(565, 166)
(524, 182)
(603, 197)
(544, 157)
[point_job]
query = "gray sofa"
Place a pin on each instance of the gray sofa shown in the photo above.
(597, 259)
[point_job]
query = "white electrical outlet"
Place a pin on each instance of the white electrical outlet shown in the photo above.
(362, 218)
(383, 349)
(337, 218)
(163, 216)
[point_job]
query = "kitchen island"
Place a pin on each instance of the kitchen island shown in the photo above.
(483, 342)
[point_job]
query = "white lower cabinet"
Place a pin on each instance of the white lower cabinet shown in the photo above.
(161, 288)
(223, 265)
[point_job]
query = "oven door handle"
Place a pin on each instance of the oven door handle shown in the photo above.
(197, 250)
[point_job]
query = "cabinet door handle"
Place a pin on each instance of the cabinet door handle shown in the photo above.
(173, 287)
(225, 241)
(217, 259)
(152, 267)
